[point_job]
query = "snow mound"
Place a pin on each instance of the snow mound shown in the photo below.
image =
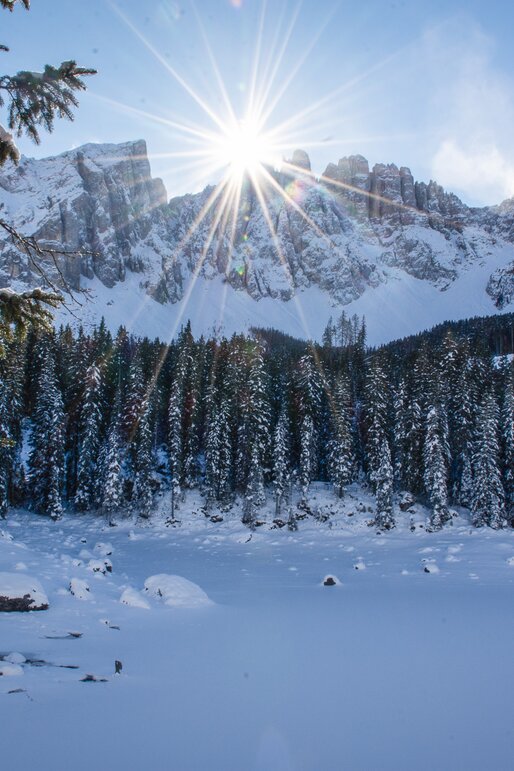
(21, 592)
(176, 591)
(103, 549)
(100, 566)
(430, 567)
(510, 562)
(10, 670)
(80, 589)
(15, 658)
(360, 565)
(134, 598)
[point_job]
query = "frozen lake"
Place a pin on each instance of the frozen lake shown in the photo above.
(395, 668)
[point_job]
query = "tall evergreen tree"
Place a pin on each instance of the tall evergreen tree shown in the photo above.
(383, 477)
(341, 453)
(46, 462)
(488, 502)
(142, 497)
(90, 425)
(281, 454)
(435, 468)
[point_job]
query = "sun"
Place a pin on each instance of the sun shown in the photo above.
(244, 148)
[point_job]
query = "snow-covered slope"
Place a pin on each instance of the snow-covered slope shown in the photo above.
(405, 254)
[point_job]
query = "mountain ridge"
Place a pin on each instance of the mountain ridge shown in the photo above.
(369, 237)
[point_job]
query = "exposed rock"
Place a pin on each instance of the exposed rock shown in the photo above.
(331, 581)
(21, 593)
(301, 159)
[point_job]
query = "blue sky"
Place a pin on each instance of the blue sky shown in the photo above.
(426, 85)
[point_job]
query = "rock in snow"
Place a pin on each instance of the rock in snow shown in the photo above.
(176, 591)
(331, 581)
(21, 593)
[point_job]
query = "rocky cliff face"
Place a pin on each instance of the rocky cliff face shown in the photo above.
(360, 227)
(100, 199)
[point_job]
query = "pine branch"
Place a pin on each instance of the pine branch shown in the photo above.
(9, 4)
(36, 98)
(36, 253)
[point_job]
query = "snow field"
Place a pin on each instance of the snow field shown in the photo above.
(396, 668)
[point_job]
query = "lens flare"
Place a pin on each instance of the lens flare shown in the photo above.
(243, 148)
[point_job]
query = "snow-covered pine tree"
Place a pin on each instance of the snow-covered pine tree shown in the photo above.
(46, 462)
(341, 451)
(383, 476)
(309, 385)
(507, 441)
(6, 442)
(12, 373)
(111, 479)
(488, 501)
(142, 497)
(218, 453)
(175, 437)
(307, 455)
(89, 434)
(377, 418)
(400, 432)
(435, 466)
(254, 427)
(192, 408)
(415, 410)
(254, 496)
(281, 458)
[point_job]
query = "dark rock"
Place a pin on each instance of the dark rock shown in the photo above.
(329, 581)
(20, 604)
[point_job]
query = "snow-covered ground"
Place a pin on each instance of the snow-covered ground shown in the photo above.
(251, 663)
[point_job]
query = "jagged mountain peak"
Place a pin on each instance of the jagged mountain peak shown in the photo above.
(347, 239)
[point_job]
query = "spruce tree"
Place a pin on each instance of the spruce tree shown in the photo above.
(111, 489)
(435, 467)
(281, 453)
(90, 424)
(254, 496)
(341, 452)
(383, 478)
(46, 462)
(488, 501)
(142, 497)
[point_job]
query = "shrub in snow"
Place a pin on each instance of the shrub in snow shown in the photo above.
(176, 591)
(79, 589)
(134, 598)
(430, 567)
(21, 593)
(360, 565)
(510, 562)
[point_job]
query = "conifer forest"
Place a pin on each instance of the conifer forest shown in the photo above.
(102, 423)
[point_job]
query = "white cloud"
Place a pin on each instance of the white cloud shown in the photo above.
(483, 173)
(471, 113)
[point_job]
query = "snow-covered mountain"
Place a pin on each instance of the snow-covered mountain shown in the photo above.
(405, 254)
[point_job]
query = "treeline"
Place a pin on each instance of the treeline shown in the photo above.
(92, 422)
